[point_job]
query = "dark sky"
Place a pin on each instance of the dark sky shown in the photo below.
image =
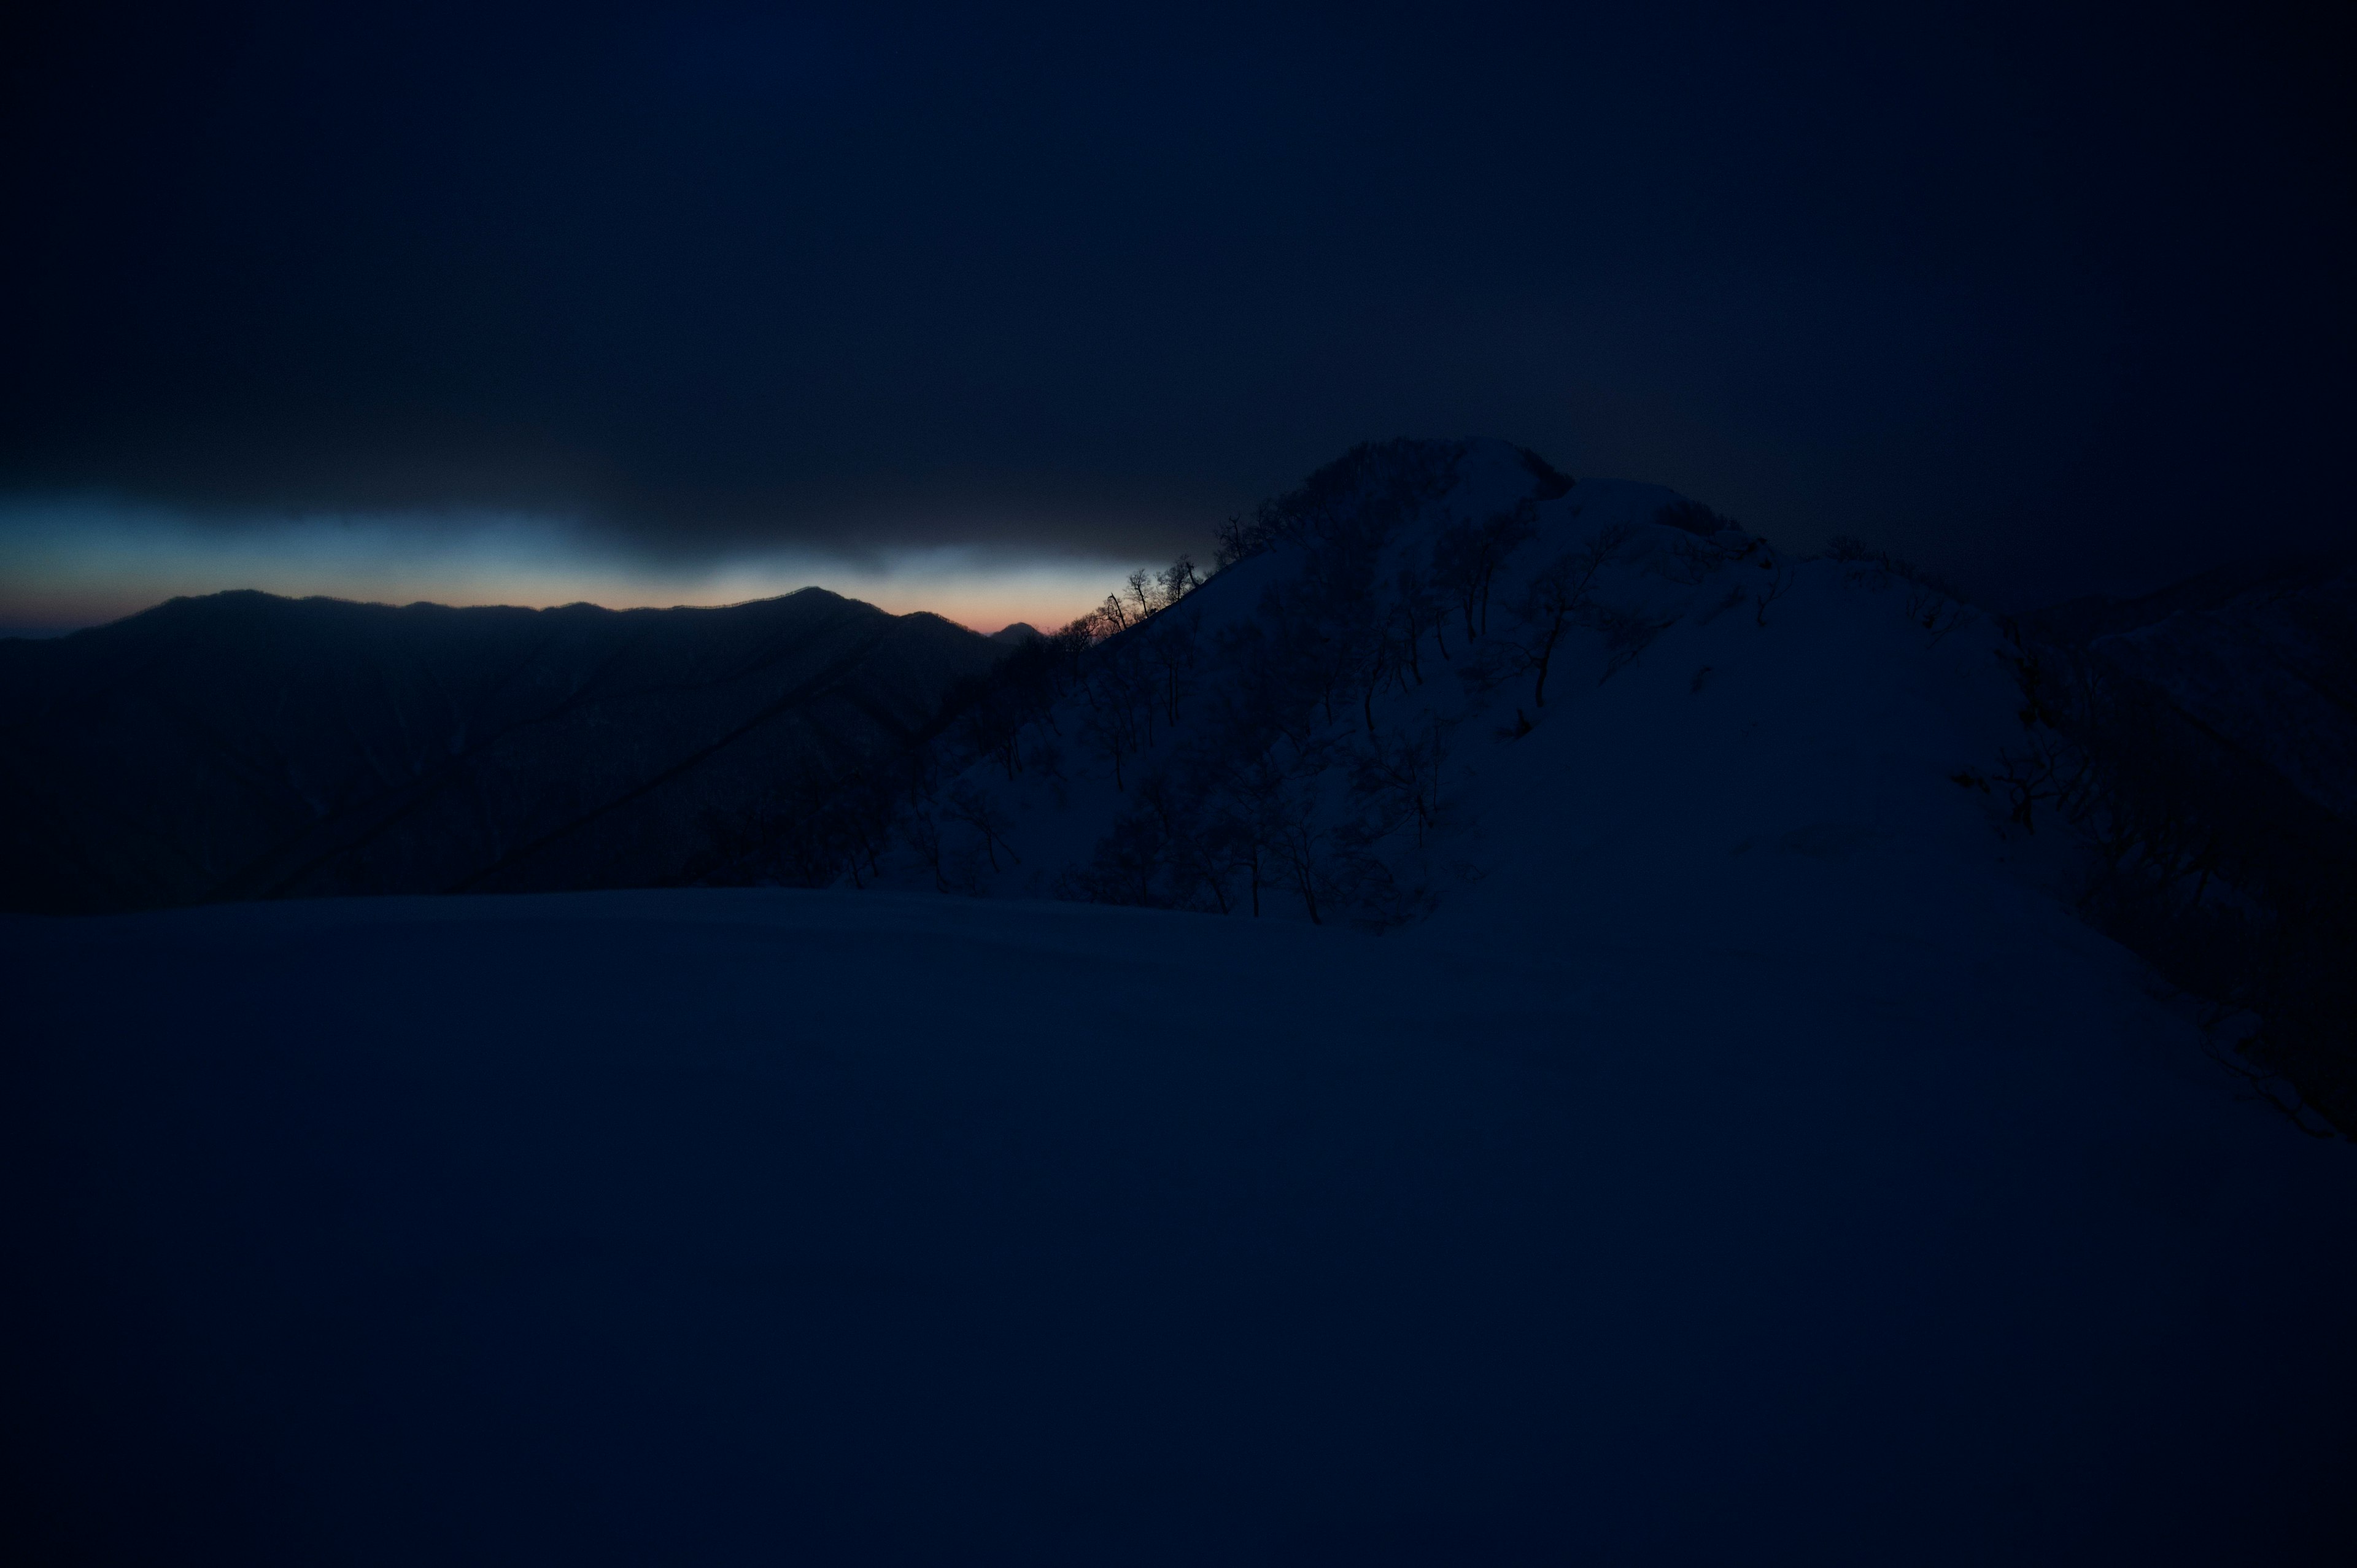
(2059, 301)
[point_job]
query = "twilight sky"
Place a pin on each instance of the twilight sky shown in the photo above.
(973, 309)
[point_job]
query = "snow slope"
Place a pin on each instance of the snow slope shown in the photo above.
(1745, 1160)
(716, 1227)
(1710, 667)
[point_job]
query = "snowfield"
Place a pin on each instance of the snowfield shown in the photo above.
(1749, 1159)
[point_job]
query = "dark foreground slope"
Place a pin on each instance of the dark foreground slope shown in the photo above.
(243, 746)
(1833, 1202)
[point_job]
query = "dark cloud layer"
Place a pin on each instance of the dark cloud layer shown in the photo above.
(2059, 301)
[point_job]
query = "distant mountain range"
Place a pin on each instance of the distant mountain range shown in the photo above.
(243, 746)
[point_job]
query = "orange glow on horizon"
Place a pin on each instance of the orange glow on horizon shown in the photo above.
(64, 567)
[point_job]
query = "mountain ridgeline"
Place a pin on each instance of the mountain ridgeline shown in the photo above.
(243, 746)
(1434, 665)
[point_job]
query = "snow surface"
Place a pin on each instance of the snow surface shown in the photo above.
(755, 1226)
(1810, 660)
(1749, 1161)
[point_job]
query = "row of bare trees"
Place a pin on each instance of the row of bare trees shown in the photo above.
(1301, 772)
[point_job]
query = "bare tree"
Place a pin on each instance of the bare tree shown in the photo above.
(1560, 596)
(1780, 582)
(1235, 543)
(1692, 560)
(1173, 652)
(977, 810)
(923, 833)
(1179, 580)
(992, 727)
(1108, 720)
(1466, 558)
(1400, 779)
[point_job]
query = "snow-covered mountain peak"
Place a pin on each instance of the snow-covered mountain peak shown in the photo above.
(1404, 669)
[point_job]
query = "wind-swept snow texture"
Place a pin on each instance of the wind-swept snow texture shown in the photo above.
(1732, 1155)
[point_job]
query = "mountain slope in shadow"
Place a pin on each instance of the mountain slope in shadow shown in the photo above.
(244, 745)
(2261, 657)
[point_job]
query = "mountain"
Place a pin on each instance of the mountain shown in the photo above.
(2262, 658)
(1019, 633)
(1702, 1115)
(244, 745)
(1331, 727)
(1363, 714)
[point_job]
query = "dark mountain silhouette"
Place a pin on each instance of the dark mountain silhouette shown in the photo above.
(243, 746)
(2204, 737)
(2260, 656)
(1020, 632)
